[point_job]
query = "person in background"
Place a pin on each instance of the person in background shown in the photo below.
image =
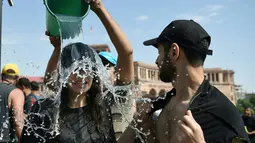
(86, 109)
(110, 62)
(11, 105)
(30, 98)
(35, 89)
(249, 122)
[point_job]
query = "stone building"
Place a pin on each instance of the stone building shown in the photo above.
(147, 76)
(224, 81)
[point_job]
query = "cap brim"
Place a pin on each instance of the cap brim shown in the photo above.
(151, 42)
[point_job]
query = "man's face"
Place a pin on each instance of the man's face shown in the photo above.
(166, 68)
(111, 71)
(247, 112)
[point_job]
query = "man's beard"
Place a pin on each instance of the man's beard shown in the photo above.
(167, 70)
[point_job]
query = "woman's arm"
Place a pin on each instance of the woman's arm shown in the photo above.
(125, 67)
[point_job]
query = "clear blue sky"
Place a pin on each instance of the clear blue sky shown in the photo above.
(229, 22)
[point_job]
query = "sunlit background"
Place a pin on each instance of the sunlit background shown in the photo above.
(229, 22)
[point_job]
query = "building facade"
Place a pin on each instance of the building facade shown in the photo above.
(224, 81)
(147, 77)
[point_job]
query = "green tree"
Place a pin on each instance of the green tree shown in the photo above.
(247, 103)
(244, 103)
(252, 99)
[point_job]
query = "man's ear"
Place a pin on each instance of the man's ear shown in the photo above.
(174, 52)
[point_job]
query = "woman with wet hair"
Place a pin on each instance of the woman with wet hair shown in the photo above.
(84, 114)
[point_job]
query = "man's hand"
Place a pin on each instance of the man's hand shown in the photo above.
(55, 41)
(189, 130)
(251, 133)
(95, 4)
(143, 117)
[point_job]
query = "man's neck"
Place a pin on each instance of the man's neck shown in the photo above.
(188, 82)
(7, 81)
(27, 91)
(36, 93)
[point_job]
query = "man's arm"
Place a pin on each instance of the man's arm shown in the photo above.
(252, 132)
(142, 120)
(128, 136)
(125, 67)
(17, 106)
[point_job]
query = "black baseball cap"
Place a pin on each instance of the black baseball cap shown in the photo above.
(186, 33)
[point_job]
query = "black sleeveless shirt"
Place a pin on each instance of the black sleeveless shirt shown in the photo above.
(7, 133)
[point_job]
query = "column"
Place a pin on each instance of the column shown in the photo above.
(220, 77)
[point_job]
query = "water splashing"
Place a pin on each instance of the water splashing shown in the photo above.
(71, 33)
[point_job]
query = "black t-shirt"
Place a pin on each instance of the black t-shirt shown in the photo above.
(249, 122)
(213, 111)
(76, 127)
(7, 131)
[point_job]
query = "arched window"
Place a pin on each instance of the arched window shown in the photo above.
(162, 92)
(153, 92)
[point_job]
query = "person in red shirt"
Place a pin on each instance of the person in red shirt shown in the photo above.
(30, 98)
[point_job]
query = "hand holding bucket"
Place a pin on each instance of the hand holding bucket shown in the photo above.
(95, 4)
(77, 8)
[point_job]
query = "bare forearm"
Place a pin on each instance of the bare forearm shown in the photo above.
(117, 36)
(252, 132)
(128, 136)
(125, 67)
(52, 64)
(18, 122)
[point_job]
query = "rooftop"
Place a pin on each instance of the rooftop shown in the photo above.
(38, 79)
(155, 67)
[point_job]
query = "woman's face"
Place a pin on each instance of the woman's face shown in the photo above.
(80, 81)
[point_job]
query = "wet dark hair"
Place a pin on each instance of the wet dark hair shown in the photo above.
(34, 85)
(77, 51)
(194, 58)
(12, 77)
(23, 82)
